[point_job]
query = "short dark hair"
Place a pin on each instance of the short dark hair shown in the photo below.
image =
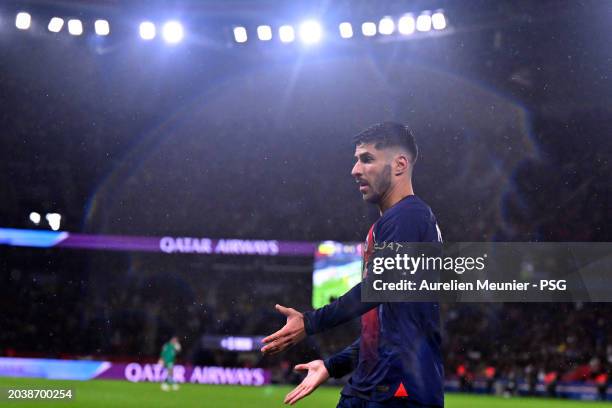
(389, 134)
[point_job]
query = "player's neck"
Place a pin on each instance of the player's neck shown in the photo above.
(394, 195)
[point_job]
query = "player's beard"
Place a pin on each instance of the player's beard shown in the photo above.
(379, 186)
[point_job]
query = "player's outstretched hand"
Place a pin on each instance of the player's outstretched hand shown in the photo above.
(317, 375)
(292, 332)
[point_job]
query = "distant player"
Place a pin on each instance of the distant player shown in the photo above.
(167, 358)
(397, 360)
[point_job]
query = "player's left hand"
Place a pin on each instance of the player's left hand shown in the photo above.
(317, 375)
(292, 332)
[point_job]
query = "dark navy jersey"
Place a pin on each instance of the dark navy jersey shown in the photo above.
(398, 353)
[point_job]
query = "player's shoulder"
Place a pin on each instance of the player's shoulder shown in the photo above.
(409, 220)
(410, 207)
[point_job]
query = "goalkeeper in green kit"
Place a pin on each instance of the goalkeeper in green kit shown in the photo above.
(167, 357)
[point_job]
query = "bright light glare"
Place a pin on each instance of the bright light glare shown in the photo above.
(264, 32)
(423, 22)
(368, 29)
(23, 21)
(102, 27)
(240, 35)
(346, 30)
(75, 27)
(438, 21)
(311, 32)
(54, 220)
(406, 25)
(286, 33)
(147, 30)
(386, 26)
(35, 217)
(173, 32)
(56, 24)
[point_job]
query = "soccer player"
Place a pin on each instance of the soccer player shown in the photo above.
(167, 358)
(396, 362)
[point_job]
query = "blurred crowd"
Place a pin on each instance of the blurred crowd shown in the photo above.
(129, 318)
(544, 342)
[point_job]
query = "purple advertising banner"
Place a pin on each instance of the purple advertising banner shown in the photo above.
(167, 244)
(134, 372)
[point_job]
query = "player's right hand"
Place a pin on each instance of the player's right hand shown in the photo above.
(317, 375)
(292, 332)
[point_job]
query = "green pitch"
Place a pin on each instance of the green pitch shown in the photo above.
(105, 394)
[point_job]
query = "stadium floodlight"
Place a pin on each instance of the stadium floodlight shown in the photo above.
(264, 32)
(102, 27)
(286, 34)
(438, 21)
(406, 24)
(54, 220)
(386, 26)
(147, 30)
(173, 32)
(240, 35)
(368, 29)
(35, 217)
(56, 24)
(23, 20)
(423, 22)
(75, 27)
(310, 32)
(346, 30)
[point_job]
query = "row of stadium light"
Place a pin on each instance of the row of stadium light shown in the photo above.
(309, 31)
(312, 32)
(23, 21)
(172, 31)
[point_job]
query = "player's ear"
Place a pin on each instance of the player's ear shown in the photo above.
(401, 164)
